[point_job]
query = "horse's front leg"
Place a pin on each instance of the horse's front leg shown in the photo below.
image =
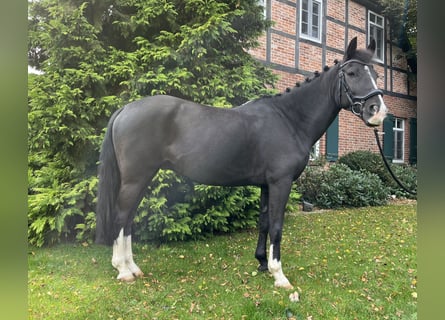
(278, 196)
(263, 226)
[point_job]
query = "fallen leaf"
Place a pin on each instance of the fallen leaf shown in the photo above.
(192, 306)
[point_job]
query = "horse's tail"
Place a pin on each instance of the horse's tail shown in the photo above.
(108, 188)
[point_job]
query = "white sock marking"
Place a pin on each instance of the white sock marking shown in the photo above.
(129, 258)
(274, 267)
(122, 258)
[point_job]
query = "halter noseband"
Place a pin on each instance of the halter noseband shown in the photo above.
(354, 101)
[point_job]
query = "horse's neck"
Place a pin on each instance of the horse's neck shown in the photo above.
(311, 108)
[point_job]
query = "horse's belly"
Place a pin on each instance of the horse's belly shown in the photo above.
(215, 166)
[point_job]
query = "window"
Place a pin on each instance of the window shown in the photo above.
(263, 3)
(399, 140)
(310, 17)
(376, 31)
(315, 151)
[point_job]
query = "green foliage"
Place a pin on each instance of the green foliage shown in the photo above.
(373, 163)
(402, 18)
(340, 186)
(368, 161)
(408, 177)
(293, 204)
(358, 179)
(177, 209)
(98, 55)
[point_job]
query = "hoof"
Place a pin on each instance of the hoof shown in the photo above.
(263, 267)
(127, 277)
(284, 285)
(138, 274)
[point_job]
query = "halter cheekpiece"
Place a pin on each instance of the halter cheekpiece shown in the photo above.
(356, 102)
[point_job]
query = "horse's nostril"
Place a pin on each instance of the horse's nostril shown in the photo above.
(375, 108)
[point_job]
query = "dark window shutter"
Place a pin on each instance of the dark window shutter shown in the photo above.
(413, 140)
(332, 141)
(388, 137)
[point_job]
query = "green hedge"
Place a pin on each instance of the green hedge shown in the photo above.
(340, 186)
(408, 177)
(357, 179)
(368, 161)
(372, 162)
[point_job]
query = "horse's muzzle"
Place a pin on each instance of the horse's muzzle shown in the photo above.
(378, 115)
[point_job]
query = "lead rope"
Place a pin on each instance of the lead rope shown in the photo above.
(387, 164)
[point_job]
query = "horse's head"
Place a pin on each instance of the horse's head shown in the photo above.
(357, 85)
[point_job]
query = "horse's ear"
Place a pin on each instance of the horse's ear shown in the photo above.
(352, 47)
(372, 45)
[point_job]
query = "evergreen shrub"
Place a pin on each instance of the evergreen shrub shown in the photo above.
(367, 161)
(96, 56)
(372, 162)
(339, 186)
(408, 177)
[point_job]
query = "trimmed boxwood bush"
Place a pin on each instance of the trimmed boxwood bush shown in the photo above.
(340, 186)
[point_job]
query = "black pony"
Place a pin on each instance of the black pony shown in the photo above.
(265, 143)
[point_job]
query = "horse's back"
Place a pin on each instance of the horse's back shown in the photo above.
(166, 116)
(207, 144)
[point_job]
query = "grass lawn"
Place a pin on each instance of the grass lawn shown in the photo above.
(345, 264)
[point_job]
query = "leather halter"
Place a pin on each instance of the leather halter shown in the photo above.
(354, 101)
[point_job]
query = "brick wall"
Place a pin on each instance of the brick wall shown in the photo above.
(336, 9)
(357, 15)
(354, 134)
(292, 58)
(282, 50)
(284, 16)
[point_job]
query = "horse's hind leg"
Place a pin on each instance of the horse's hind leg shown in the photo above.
(123, 258)
(127, 202)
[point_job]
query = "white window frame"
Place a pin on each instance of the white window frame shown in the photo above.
(310, 20)
(380, 44)
(399, 127)
(315, 151)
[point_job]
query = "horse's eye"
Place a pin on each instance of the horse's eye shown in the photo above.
(351, 73)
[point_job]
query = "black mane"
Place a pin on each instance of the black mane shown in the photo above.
(366, 56)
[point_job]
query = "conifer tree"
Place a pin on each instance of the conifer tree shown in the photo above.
(96, 56)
